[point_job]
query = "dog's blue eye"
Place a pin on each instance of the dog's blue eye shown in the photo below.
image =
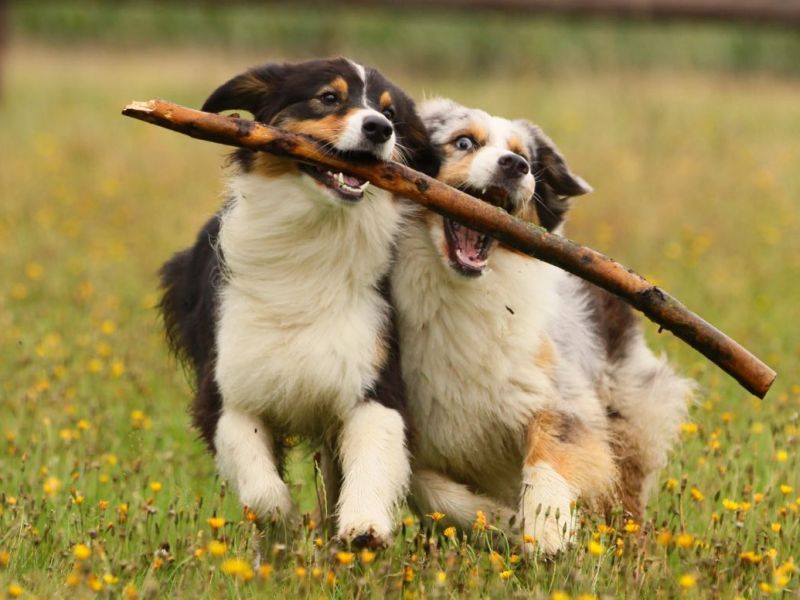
(464, 143)
(329, 98)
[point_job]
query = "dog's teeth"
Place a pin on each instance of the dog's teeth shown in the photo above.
(364, 186)
(340, 178)
(483, 191)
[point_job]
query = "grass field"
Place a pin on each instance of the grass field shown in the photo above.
(105, 490)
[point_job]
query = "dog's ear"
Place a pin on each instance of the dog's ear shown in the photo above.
(412, 136)
(250, 91)
(549, 166)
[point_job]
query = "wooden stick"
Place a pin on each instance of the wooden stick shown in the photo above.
(656, 304)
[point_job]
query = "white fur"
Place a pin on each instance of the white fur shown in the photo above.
(300, 317)
(433, 492)
(245, 457)
(299, 330)
(546, 508)
(376, 471)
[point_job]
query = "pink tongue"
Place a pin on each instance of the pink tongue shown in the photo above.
(353, 181)
(468, 244)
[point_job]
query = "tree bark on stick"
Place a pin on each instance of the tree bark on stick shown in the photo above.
(655, 303)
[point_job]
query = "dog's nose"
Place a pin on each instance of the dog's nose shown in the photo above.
(513, 165)
(377, 128)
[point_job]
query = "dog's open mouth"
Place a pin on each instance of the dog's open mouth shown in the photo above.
(346, 186)
(468, 250)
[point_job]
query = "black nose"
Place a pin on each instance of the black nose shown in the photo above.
(513, 165)
(377, 128)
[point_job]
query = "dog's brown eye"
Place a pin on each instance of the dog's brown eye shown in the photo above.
(388, 113)
(329, 98)
(464, 143)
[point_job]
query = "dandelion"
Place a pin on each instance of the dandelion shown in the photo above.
(449, 532)
(5, 558)
(264, 572)
(595, 548)
(786, 489)
(117, 368)
(664, 538)
(776, 527)
(441, 577)
(750, 557)
(772, 553)
(631, 526)
(367, 556)
(102, 505)
(95, 365)
(684, 540)
(729, 504)
(506, 574)
(671, 484)
(408, 521)
(130, 592)
(781, 456)
(216, 548)
(34, 271)
(689, 428)
(214, 522)
(727, 417)
(300, 572)
(81, 552)
(72, 580)
(696, 494)
(15, 590)
(345, 558)
(559, 595)
(765, 587)
(758, 498)
(687, 581)
(94, 584)
(156, 487)
(330, 579)
(480, 521)
(408, 574)
(51, 486)
(316, 572)
(236, 567)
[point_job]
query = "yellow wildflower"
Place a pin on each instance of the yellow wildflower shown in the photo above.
(595, 548)
(506, 574)
(345, 558)
(300, 572)
(776, 527)
(156, 486)
(697, 495)
(559, 595)
(750, 557)
(664, 538)
(684, 540)
(214, 522)
(236, 567)
(441, 577)
(786, 489)
(631, 526)
(781, 456)
(480, 521)
(81, 552)
(436, 516)
(15, 590)
(687, 581)
(367, 556)
(689, 427)
(264, 572)
(216, 548)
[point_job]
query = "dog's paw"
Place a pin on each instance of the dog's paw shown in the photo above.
(365, 536)
(269, 499)
(547, 512)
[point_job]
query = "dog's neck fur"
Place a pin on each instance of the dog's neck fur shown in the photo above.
(290, 250)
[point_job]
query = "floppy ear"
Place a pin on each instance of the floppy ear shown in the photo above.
(549, 166)
(249, 91)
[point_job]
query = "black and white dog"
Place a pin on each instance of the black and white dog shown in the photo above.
(535, 388)
(281, 306)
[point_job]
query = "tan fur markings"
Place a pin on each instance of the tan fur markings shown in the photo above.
(631, 469)
(385, 100)
(456, 172)
(270, 165)
(545, 356)
(340, 85)
(517, 147)
(326, 129)
(580, 455)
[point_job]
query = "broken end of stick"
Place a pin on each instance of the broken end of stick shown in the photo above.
(138, 107)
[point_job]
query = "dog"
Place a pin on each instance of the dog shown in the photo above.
(535, 388)
(281, 307)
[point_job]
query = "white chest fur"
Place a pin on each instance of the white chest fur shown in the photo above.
(469, 349)
(300, 318)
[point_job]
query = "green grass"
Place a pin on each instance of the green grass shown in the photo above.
(697, 187)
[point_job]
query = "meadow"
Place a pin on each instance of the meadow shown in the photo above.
(104, 488)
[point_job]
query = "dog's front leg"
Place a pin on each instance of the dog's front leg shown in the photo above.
(375, 473)
(246, 457)
(565, 460)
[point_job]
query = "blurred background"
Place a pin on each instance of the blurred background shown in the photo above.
(684, 116)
